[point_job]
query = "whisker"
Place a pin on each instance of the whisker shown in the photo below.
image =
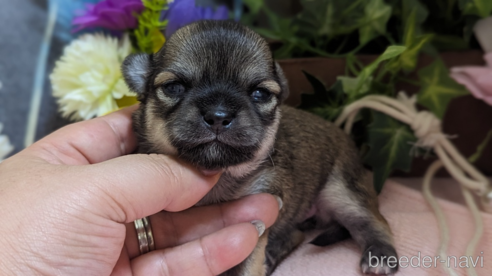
(271, 159)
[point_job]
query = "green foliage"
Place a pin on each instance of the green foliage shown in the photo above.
(377, 14)
(326, 103)
(254, 5)
(438, 88)
(333, 28)
(390, 144)
(389, 141)
(281, 29)
(482, 8)
(367, 82)
(310, 32)
(148, 35)
(368, 71)
(412, 38)
(355, 86)
(320, 18)
(416, 14)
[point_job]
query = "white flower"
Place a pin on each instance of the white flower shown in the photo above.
(5, 146)
(87, 79)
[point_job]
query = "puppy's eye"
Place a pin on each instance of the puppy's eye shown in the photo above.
(261, 95)
(173, 89)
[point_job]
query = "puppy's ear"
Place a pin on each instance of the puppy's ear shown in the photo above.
(136, 70)
(284, 85)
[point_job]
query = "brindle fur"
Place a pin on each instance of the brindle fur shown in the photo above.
(272, 148)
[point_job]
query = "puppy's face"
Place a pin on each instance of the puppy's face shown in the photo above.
(209, 96)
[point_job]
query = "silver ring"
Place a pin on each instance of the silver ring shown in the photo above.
(150, 235)
(144, 235)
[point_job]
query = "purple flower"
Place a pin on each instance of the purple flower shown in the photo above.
(184, 12)
(115, 15)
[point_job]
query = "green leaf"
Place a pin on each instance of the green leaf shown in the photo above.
(317, 16)
(410, 28)
(389, 53)
(366, 73)
(254, 9)
(482, 8)
(382, 88)
(330, 18)
(449, 43)
(377, 14)
(438, 88)
(414, 15)
(409, 58)
(481, 148)
(254, 5)
(351, 85)
(282, 29)
(355, 87)
(390, 143)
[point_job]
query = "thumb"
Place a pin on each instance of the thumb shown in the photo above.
(134, 186)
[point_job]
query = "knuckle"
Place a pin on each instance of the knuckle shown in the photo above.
(206, 258)
(163, 266)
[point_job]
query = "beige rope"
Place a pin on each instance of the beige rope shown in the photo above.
(427, 128)
(441, 219)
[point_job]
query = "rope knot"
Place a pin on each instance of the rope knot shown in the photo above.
(427, 128)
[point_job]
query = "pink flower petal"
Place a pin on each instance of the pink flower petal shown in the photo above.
(469, 83)
(488, 100)
(484, 81)
(488, 58)
(478, 80)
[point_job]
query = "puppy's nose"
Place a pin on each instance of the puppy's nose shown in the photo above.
(218, 119)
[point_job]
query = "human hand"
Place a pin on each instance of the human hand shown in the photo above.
(68, 202)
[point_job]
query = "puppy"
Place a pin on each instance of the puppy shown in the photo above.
(212, 97)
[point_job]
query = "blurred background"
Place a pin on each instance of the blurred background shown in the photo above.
(23, 24)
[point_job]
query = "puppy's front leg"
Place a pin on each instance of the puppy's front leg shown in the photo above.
(353, 203)
(254, 265)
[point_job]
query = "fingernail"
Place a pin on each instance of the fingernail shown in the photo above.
(260, 226)
(280, 203)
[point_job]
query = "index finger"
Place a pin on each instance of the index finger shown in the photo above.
(89, 142)
(172, 229)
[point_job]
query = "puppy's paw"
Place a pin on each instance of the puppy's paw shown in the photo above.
(379, 259)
